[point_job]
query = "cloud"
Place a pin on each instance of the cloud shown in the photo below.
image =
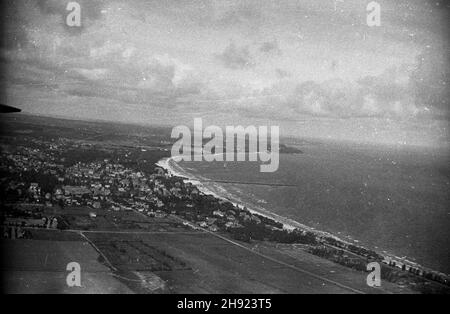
(39, 54)
(430, 81)
(270, 47)
(236, 58)
(238, 13)
(13, 25)
(133, 76)
(390, 94)
(159, 54)
(92, 74)
(281, 74)
(90, 9)
(23, 21)
(91, 12)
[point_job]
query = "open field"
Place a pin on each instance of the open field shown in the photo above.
(39, 266)
(205, 263)
(171, 262)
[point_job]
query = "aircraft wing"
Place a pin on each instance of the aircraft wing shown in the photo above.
(8, 109)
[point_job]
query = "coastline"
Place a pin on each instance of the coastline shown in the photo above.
(288, 224)
(174, 169)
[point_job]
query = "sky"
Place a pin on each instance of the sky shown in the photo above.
(313, 67)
